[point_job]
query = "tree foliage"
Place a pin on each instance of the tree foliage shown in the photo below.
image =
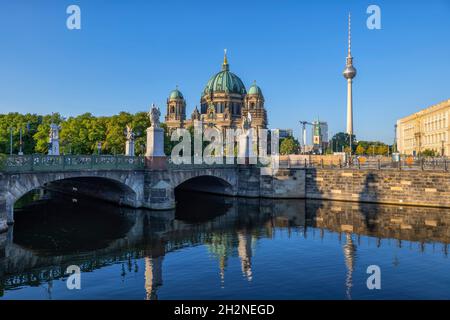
(78, 135)
(428, 153)
(341, 140)
(289, 145)
(360, 150)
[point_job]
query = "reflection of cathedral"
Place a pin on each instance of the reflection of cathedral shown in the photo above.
(222, 246)
(223, 104)
(245, 253)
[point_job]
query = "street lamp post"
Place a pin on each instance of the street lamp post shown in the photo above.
(99, 148)
(20, 142)
(395, 139)
(350, 143)
(11, 141)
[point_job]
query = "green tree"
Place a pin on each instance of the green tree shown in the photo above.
(382, 150)
(428, 153)
(115, 133)
(360, 150)
(168, 144)
(140, 123)
(374, 147)
(341, 140)
(27, 122)
(289, 145)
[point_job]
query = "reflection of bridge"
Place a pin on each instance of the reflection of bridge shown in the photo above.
(130, 181)
(154, 234)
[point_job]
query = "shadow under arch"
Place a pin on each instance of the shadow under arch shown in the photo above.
(58, 210)
(202, 198)
(52, 223)
(101, 188)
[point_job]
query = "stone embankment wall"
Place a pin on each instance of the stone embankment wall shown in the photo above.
(426, 188)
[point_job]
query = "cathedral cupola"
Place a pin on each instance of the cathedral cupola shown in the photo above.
(176, 106)
(254, 98)
(254, 104)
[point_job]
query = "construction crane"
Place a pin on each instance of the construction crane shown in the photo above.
(304, 123)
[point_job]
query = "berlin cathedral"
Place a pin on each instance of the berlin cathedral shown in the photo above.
(224, 103)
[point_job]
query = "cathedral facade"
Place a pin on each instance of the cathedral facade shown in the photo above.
(224, 104)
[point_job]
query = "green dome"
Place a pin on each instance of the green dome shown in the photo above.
(254, 89)
(225, 81)
(176, 94)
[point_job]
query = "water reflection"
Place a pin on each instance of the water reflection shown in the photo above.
(280, 248)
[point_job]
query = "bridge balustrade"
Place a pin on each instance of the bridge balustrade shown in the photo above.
(39, 163)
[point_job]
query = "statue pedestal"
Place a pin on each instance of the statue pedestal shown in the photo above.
(129, 148)
(155, 157)
(245, 154)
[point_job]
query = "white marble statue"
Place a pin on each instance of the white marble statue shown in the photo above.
(154, 115)
(129, 144)
(53, 149)
(130, 133)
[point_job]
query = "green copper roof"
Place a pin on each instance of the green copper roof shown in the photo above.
(317, 129)
(254, 89)
(176, 94)
(225, 81)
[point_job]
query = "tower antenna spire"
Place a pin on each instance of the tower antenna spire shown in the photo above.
(349, 34)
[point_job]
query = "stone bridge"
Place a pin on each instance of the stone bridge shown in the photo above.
(133, 181)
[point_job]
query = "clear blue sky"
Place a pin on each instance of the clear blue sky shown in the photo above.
(129, 54)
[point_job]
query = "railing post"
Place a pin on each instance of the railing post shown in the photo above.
(340, 163)
(445, 164)
(359, 163)
(422, 163)
(305, 162)
(321, 163)
(379, 164)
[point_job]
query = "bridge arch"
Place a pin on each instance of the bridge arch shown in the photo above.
(218, 181)
(121, 187)
(207, 184)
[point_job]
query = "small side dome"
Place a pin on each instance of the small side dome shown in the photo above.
(254, 89)
(176, 94)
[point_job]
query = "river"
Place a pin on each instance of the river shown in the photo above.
(214, 247)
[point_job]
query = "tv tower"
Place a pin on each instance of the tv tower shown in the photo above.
(349, 73)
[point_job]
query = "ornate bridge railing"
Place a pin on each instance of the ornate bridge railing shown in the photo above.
(29, 163)
(216, 165)
(378, 163)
